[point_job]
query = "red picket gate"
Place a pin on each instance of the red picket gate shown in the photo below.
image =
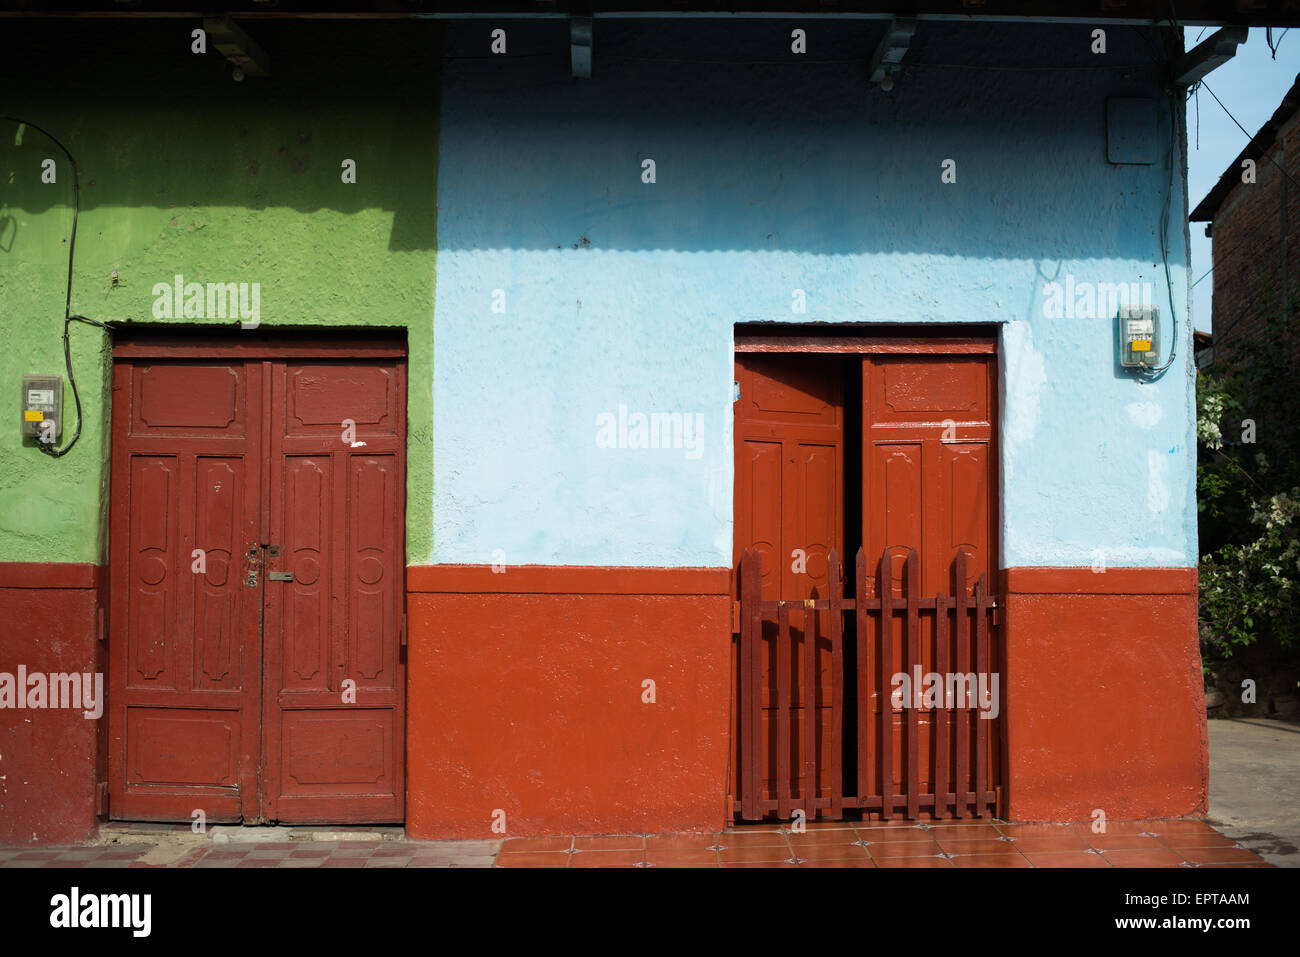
(934, 752)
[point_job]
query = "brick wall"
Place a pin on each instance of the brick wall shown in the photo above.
(1248, 248)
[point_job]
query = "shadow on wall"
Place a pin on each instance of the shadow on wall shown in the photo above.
(152, 124)
(758, 149)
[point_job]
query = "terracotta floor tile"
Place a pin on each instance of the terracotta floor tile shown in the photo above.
(816, 853)
(982, 845)
(1066, 859)
(1036, 830)
(537, 844)
(1113, 828)
(678, 842)
(992, 860)
(753, 839)
(1146, 857)
(344, 862)
(1218, 864)
(1216, 855)
(908, 826)
(1179, 826)
(828, 825)
(1125, 842)
(677, 866)
(964, 832)
(682, 858)
(610, 842)
(1057, 842)
(755, 854)
(895, 835)
(914, 862)
(1194, 839)
(619, 858)
(864, 861)
(534, 859)
(823, 838)
(757, 864)
(908, 849)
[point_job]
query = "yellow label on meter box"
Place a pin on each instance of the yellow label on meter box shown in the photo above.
(33, 415)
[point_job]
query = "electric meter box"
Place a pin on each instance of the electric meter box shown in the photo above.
(42, 403)
(1139, 338)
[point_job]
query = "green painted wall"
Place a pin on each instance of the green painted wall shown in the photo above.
(184, 170)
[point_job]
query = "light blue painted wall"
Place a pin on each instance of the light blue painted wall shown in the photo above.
(774, 176)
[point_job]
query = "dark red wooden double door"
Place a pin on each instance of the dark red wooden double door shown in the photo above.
(257, 582)
(889, 450)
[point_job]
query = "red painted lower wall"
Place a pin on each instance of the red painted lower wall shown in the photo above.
(525, 696)
(50, 759)
(1104, 703)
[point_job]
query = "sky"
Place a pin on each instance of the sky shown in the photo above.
(1251, 85)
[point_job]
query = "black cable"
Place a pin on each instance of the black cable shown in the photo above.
(1156, 372)
(68, 317)
(1248, 136)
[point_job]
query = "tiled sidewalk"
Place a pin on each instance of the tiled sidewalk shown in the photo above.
(267, 854)
(899, 844)
(1174, 843)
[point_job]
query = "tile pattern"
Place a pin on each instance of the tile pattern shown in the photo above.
(282, 854)
(946, 844)
(1172, 843)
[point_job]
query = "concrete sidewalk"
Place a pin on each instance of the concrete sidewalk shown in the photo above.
(1255, 786)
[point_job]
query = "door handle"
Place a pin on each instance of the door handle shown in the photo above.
(280, 576)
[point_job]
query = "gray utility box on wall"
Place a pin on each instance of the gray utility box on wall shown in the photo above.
(42, 404)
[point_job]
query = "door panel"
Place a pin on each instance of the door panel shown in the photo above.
(928, 484)
(183, 724)
(334, 695)
(231, 693)
(790, 507)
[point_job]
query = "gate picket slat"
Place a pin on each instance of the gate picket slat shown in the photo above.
(863, 705)
(981, 671)
(913, 658)
(886, 698)
(752, 585)
(837, 687)
(961, 716)
(941, 721)
(783, 682)
(810, 713)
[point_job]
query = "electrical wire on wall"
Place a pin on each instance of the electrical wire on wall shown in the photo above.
(68, 317)
(1151, 374)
